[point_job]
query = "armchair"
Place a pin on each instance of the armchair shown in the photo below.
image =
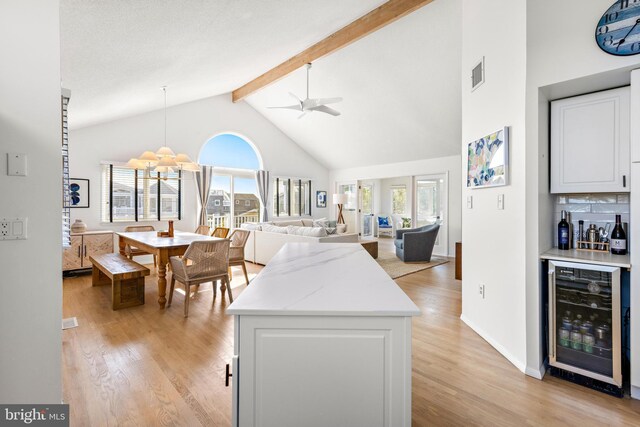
(416, 244)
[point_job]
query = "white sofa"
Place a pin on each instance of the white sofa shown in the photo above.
(262, 245)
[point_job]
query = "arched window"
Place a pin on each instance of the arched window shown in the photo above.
(234, 195)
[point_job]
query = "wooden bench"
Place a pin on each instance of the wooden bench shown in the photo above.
(126, 278)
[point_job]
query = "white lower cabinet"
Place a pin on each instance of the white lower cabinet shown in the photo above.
(322, 371)
(322, 339)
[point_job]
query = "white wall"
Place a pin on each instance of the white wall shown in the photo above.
(493, 240)
(450, 165)
(558, 69)
(31, 290)
(189, 127)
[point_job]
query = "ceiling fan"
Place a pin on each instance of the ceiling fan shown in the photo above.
(312, 104)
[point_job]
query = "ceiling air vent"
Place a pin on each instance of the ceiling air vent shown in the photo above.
(477, 75)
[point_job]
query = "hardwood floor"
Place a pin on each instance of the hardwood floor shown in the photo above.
(147, 366)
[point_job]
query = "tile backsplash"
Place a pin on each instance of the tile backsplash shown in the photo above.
(598, 209)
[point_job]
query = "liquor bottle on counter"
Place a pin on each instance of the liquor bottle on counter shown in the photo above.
(563, 232)
(618, 239)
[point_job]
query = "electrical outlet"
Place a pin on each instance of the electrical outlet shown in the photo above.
(481, 290)
(13, 228)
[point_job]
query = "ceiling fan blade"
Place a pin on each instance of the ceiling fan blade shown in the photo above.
(291, 107)
(324, 101)
(304, 113)
(293, 95)
(326, 109)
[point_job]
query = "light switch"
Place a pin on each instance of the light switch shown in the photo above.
(16, 164)
(469, 202)
(500, 201)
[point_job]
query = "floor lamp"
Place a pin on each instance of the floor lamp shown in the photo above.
(339, 200)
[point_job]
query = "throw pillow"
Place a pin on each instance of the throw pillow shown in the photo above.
(274, 229)
(406, 222)
(331, 230)
(341, 228)
(320, 223)
(383, 220)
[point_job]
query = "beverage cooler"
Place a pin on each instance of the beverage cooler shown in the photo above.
(584, 320)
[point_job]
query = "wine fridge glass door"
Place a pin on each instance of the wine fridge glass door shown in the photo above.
(585, 319)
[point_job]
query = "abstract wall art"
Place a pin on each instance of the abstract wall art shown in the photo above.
(488, 160)
(321, 199)
(78, 193)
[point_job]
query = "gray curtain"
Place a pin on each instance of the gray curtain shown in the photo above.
(262, 180)
(203, 183)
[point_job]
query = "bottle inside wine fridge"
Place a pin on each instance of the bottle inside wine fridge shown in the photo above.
(563, 232)
(584, 321)
(618, 239)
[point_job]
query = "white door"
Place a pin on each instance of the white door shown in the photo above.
(350, 208)
(366, 210)
(431, 205)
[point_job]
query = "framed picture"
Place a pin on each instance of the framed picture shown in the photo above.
(488, 160)
(321, 199)
(78, 193)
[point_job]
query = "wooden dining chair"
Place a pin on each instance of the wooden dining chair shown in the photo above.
(133, 251)
(203, 229)
(221, 232)
(236, 251)
(204, 261)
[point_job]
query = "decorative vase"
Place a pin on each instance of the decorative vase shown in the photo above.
(78, 227)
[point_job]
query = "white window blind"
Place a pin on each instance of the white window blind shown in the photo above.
(66, 201)
(130, 196)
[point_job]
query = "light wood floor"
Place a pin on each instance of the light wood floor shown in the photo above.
(146, 366)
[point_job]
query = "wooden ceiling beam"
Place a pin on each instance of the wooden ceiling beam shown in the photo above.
(372, 21)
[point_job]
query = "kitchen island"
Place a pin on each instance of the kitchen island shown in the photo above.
(322, 337)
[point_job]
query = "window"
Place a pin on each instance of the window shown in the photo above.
(292, 197)
(398, 199)
(235, 161)
(130, 196)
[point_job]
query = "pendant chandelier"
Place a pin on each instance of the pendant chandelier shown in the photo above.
(163, 161)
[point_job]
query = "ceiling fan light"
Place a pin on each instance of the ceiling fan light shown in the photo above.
(165, 152)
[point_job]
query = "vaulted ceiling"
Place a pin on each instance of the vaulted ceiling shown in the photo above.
(401, 84)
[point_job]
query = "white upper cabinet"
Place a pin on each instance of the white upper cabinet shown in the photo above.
(590, 143)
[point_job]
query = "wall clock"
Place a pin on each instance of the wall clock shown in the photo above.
(618, 31)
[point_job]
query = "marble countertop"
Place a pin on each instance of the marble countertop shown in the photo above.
(599, 258)
(323, 279)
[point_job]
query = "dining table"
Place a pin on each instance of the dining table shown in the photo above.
(163, 248)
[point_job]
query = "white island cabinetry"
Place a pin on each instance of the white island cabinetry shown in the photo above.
(322, 338)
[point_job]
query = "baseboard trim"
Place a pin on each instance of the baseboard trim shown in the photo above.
(635, 392)
(537, 373)
(503, 351)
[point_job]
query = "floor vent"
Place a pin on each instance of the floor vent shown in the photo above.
(477, 75)
(69, 322)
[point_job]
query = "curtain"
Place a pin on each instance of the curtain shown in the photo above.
(203, 183)
(262, 181)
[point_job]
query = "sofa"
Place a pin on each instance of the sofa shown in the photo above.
(267, 238)
(416, 244)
